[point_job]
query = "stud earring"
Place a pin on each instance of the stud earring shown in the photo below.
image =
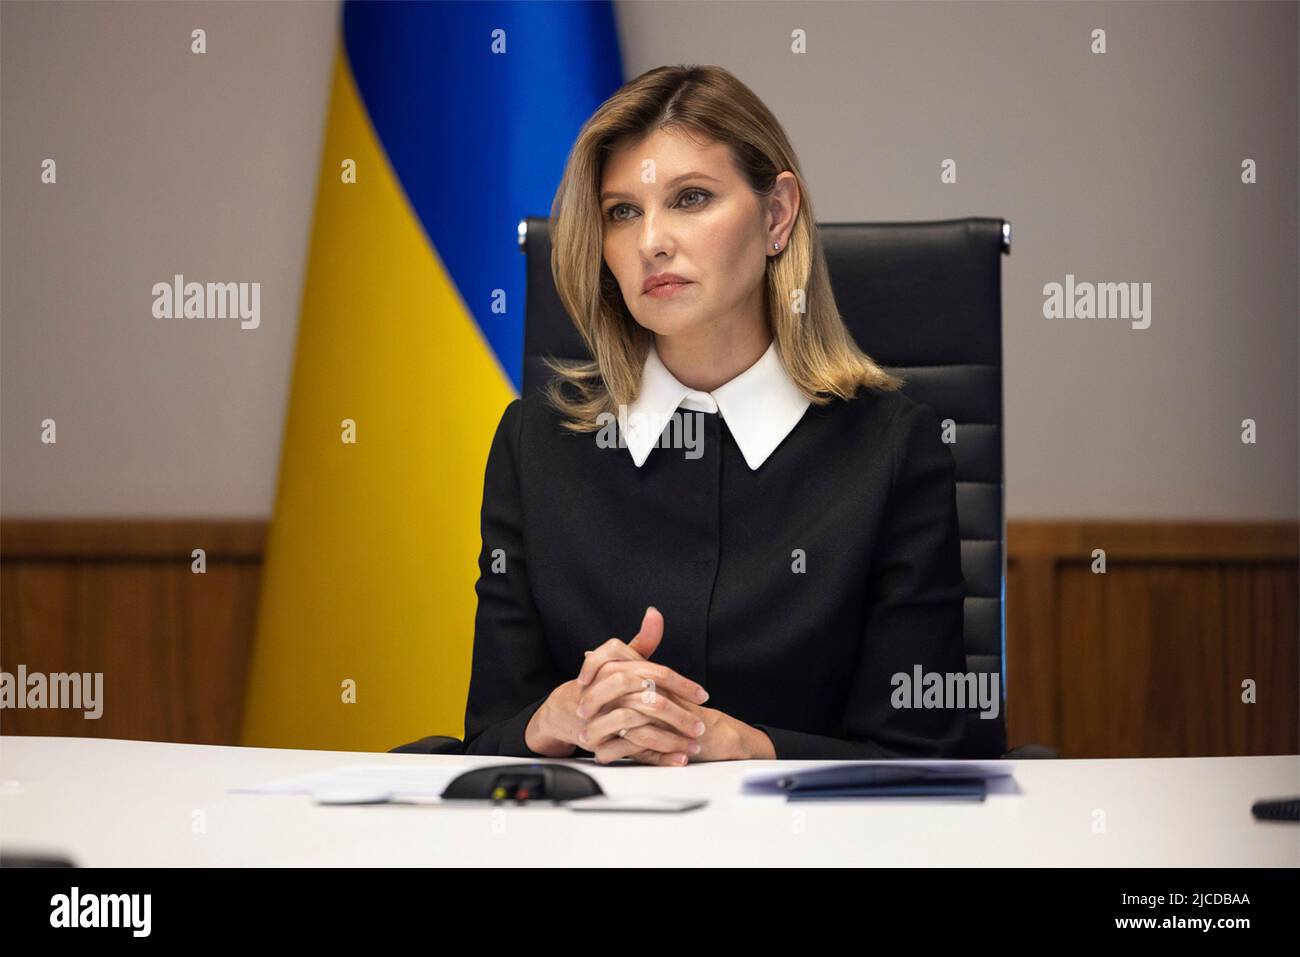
(776, 246)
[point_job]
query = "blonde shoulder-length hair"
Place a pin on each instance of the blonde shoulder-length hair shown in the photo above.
(709, 103)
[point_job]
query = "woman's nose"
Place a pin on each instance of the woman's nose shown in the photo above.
(654, 236)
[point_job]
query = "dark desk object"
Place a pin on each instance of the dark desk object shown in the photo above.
(28, 859)
(1277, 809)
(539, 781)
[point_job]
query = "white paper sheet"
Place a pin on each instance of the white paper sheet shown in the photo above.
(413, 782)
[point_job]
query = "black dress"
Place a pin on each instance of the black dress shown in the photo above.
(792, 593)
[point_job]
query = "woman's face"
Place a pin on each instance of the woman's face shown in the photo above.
(671, 206)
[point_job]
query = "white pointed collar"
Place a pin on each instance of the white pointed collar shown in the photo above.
(761, 406)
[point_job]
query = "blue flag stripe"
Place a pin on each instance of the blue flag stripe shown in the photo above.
(479, 139)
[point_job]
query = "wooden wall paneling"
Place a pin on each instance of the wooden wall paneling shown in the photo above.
(1145, 660)
(120, 598)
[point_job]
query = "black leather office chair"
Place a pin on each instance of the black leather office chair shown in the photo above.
(924, 299)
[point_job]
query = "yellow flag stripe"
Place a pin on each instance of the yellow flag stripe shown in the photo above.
(371, 561)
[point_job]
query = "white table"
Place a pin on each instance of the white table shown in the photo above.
(107, 802)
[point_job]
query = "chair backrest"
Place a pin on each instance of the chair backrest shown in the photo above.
(924, 299)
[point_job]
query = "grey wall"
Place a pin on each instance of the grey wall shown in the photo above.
(1123, 167)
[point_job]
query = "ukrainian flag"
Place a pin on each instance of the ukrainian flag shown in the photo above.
(448, 123)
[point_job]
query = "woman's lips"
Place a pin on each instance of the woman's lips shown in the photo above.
(667, 290)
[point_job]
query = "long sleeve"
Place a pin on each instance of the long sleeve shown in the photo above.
(914, 613)
(513, 671)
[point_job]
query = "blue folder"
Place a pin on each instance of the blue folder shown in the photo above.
(964, 780)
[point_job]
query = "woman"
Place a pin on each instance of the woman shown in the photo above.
(788, 542)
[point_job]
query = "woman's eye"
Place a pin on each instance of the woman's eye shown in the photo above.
(612, 214)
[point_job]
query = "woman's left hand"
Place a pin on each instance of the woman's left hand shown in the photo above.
(724, 739)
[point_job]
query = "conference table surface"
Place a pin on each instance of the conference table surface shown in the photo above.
(107, 802)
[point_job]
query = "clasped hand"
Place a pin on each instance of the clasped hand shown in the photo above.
(623, 706)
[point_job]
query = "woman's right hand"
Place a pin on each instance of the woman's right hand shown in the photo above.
(554, 728)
